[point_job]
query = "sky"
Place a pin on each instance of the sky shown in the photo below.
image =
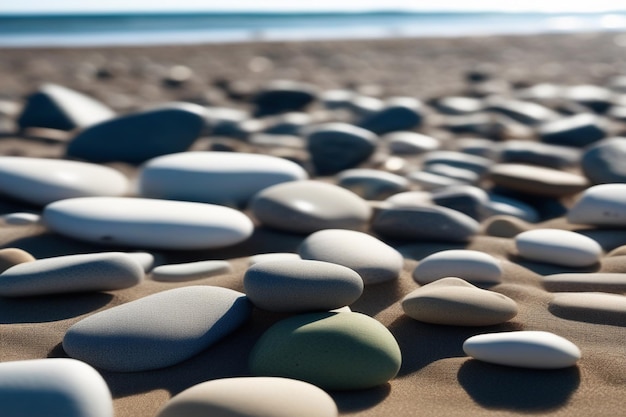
(62, 6)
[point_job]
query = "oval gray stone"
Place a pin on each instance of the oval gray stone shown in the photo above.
(577, 131)
(277, 256)
(158, 330)
(398, 113)
(374, 260)
(71, 273)
(309, 206)
(410, 143)
(604, 161)
(470, 265)
(301, 285)
(372, 184)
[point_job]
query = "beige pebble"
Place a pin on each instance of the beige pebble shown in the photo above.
(13, 256)
(504, 226)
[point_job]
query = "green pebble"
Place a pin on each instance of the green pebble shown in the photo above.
(335, 351)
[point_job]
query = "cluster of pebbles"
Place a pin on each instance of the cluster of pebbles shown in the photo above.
(360, 179)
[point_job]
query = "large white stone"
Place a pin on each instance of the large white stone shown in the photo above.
(41, 181)
(559, 247)
(470, 265)
(601, 205)
(226, 178)
(53, 387)
(527, 349)
(148, 223)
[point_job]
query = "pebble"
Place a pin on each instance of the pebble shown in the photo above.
(147, 223)
(288, 124)
(410, 143)
(224, 178)
(372, 184)
(138, 137)
(525, 349)
(470, 265)
(190, 271)
(603, 162)
(277, 256)
(588, 282)
(458, 105)
(70, 274)
(504, 226)
(600, 205)
(301, 285)
(559, 247)
(410, 199)
(584, 306)
(525, 112)
(372, 259)
(41, 181)
(21, 219)
(464, 176)
(461, 160)
(53, 387)
(467, 199)
(455, 302)
(430, 181)
(502, 205)
(537, 180)
(335, 147)
(57, 107)
(335, 351)
(476, 146)
(598, 99)
(398, 113)
(576, 131)
(425, 223)
(537, 153)
(147, 260)
(224, 121)
(251, 397)
(309, 206)
(157, 331)
(283, 96)
(13, 256)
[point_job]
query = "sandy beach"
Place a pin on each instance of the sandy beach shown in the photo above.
(436, 377)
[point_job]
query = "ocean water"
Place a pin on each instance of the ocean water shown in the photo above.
(189, 28)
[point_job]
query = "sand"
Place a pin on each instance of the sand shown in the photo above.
(436, 378)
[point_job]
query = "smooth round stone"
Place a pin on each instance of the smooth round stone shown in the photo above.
(309, 206)
(425, 223)
(504, 226)
(588, 282)
(53, 387)
(398, 113)
(147, 223)
(72, 273)
(458, 105)
(335, 351)
(525, 112)
(159, 330)
(576, 131)
(190, 271)
(585, 305)
(41, 181)
(57, 107)
(13, 256)
(335, 147)
(537, 180)
(137, 137)
(503, 205)
(526, 349)
(455, 302)
(467, 199)
(410, 199)
(600, 205)
(559, 247)
(289, 124)
(226, 178)
(374, 260)
(537, 153)
(431, 181)
(362, 105)
(372, 184)
(301, 285)
(336, 99)
(598, 99)
(251, 397)
(147, 260)
(462, 175)
(20, 219)
(278, 256)
(604, 161)
(461, 160)
(282, 96)
(410, 143)
(470, 265)
(225, 121)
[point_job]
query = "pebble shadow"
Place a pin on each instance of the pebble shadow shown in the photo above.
(518, 389)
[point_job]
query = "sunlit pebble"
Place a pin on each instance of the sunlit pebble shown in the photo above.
(179, 73)
(395, 164)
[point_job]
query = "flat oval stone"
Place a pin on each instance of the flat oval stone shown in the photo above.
(147, 260)
(504, 226)
(226, 178)
(582, 306)
(54, 386)
(159, 330)
(537, 153)
(502, 205)
(251, 397)
(410, 199)
(600, 205)
(467, 199)
(20, 219)
(431, 181)
(41, 181)
(283, 95)
(190, 271)
(372, 184)
(537, 180)
(13, 256)
(137, 137)
(603, 162)
(398, 113)
(461, 160)
(586, 282)
(71, 273)
(374, 260)
(526, 349)
(335, 351)
(301, 285)
(462, 175)
(559, 247)
(455, 302)
(470, 265)
(277, 256)
(525, 112)
(576, 131)
(309, 206)
(338, 146)
(425, 223)
(410, 143)
(148, 223)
